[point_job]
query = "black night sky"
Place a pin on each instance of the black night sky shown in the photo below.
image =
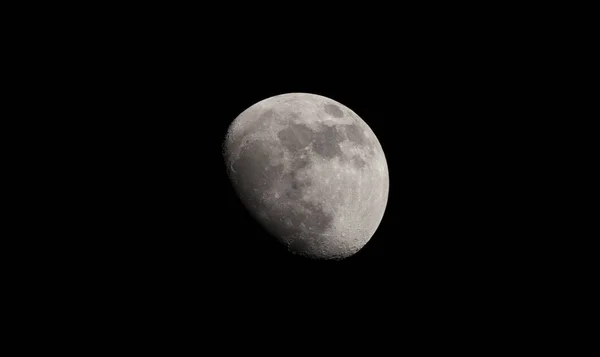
(426, 117)
(142, 236)
(437, 101)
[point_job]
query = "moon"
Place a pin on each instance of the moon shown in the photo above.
(310, 171)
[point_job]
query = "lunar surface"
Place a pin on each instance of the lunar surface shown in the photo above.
(310, 171)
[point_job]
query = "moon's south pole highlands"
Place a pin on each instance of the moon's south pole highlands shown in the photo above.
(310, 171)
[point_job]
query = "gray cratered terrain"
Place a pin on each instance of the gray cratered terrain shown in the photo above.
(311, 171)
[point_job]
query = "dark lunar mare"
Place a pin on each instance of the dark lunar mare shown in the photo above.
(295, 137)
(333, 110)
(355, 134)
(326, 142)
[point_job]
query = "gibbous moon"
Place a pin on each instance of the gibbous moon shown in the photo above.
(310, 171)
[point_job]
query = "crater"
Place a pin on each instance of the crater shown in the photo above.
(295, 137)
(334, 110)
(327, 141)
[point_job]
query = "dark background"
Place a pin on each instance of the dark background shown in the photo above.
(156, 96)
(144, 235)
(438, 118)
(140, 232)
